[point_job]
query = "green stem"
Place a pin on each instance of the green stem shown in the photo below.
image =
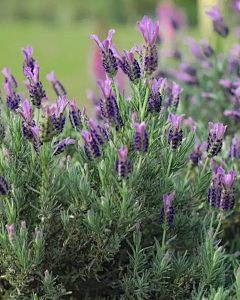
(163, 240)
(38, 116)
(139, 164)
(217, 230)
(212, 219)
(187, 174)
(124, 196)
(169, 166)
(139, 99)
(144, 104)
(204, 167)
(152, 128)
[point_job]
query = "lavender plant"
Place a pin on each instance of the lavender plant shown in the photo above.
(130, 205)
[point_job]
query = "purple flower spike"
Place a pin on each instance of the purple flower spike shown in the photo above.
(98, 133)
(36, 91)
(196, 155)
(11, 231)
(175, 95)
(215, 137)
(234, 151)
(74, 115)
(123, 166)
(155, 98)
(59, 146)
(149, 52)
(56, 84)
(141, 137)
(167, 212)
(207, 49)
(227, 199)
(29, 61)
(175, 133)
(37, 143)
(218, 23)
(195, 48)
(108, 104)
(148, 30)
(9, 77)
(108, 59)
(27, 122)
(13, 99)
(90, 147)
(58, 116)
(3, 185)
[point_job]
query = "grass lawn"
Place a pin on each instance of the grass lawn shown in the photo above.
(67, 50)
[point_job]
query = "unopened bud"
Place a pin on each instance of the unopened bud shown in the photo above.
(210, 232)
(85, 166)
(138, 225)
(79, 145)
(134, 118)
(46, 274)
(23, 224)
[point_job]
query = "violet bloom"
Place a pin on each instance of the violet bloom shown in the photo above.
(155, 98)
(37, 143)
(108, 104)
(29, 61)
(236, 5)
(214, 192)
(218, 23)
(175, 133)
(227, 199)
(195, 48)
(215, 138)
(56, 84)
(123, 165)
(234, 60)
(187, 68)
(74, 114)
(234, 151)
(207, 49)
(149, 51)
(98, 133)
(128, 63)
(27, 122)
(235, 114)
(58, 116)
(196, 155)
(90, 147)
(36, 91)
(141, 138)
(167, 212)
(108, 59)
(175, 95)
(13, 99)
(59, 146)
(172, 53)
(11, 231)
(9, 77)
(3, 185)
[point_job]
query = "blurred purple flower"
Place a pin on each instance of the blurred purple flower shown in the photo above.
(56, 84)
(218, 23)
(175, 133)
(90, 147)
(215, 137)
(9, 77)
(123, 166)
(167, 212)
(59, 146)
(98, 133)
(141, 138)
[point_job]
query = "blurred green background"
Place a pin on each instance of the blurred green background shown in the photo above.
(59, 30)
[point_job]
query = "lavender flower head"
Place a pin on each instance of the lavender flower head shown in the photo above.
(218, 23)
(167, 212)
(227, 199)
(195, 48)
(108, 59)
(155, 98)
(27, 122)
(36, 91)
(58, 116)
(29, 61)
(74, 114)
(149, 51)
(56, 84)
(215, 138)
(108, 104)
(175, 133)
(11, 231)
(128, 63)
(59, 146)
(13, 99)
(141, 137)
(98, 133)
(9, 77)
(3, 186)
(90, 147)
(175, 95)
(234, 151)
(123, 165)
(37, 143)
(214, 192)
(196, 155)
(207, 49)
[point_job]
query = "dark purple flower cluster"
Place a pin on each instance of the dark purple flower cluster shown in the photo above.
(167, 212)
(234, 151)
(155, 98)
(123, 165)
(215, 138)
(56, 84)
(74, 115)
(3, 186)
(218, 23)
(141, 138)
(175, 133)
(59, 146)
